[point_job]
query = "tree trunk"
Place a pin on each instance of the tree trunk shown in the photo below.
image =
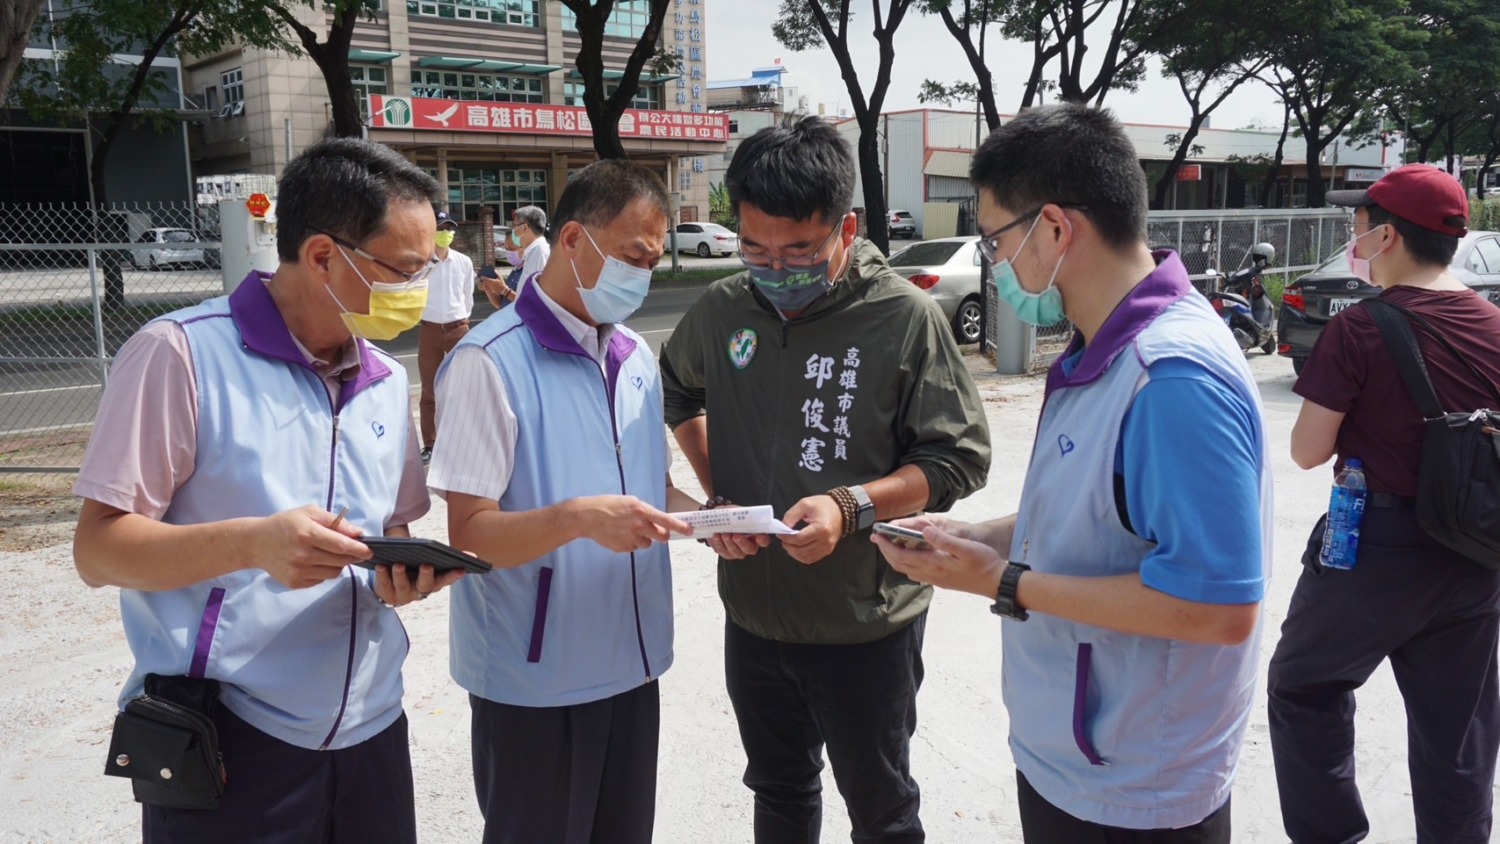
(1317, 190)
(1484, 173)
(1274, 174)
(16, 19)
(872, 181)
(982, 77)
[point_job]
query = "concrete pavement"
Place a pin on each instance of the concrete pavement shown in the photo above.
(63, 658)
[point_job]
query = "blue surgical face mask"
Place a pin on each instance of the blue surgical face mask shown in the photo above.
(794, 289)
(619, 291)
(1040, 309)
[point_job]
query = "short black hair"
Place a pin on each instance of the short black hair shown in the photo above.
(1067, 154)
(344, 187)
(602, 190)
(796, 170)
(1425, 245)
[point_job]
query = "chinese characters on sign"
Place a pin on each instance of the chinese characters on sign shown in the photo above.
(820, 371)
(537, 119)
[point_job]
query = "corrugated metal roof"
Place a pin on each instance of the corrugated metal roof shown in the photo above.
(947, 163)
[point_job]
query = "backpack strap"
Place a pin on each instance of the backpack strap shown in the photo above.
(1422, 323)
(1394, 326)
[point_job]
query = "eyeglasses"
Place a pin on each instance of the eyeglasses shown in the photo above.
(795, 263)
(406, 277)
(989, 244)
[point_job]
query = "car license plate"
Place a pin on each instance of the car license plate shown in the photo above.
(1336, 305)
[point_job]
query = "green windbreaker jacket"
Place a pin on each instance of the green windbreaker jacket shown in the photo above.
(866, 381)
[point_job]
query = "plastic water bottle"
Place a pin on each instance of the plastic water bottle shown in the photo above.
(1346, 507)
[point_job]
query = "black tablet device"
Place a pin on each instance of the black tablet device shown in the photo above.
(414, 552)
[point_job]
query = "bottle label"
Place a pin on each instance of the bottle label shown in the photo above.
(1346, 508)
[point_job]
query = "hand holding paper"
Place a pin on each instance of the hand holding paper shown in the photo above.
(706, 523)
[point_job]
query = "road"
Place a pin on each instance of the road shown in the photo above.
(42, 398)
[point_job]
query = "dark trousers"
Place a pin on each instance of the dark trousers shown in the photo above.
(1437, 617)
(434, 342)
(582, 774)
(1044, 823)
(859, 700)
(278, 793)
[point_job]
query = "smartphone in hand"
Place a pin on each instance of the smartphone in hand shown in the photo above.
(904, 537)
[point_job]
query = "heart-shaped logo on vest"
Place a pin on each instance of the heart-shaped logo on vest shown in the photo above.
(378, 428)
(1064, 444)
(639, 382)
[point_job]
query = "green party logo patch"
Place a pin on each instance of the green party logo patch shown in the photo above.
(742, 347)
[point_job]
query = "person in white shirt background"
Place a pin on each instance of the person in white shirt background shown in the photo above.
(526, 251)
(445, 321)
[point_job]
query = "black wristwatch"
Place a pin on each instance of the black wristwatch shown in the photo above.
(865, 515)
(1005, 600)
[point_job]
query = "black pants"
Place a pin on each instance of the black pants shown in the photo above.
(582, 774)
(860, 700)
(1044, 823)
(278, 793)
(1437, 617)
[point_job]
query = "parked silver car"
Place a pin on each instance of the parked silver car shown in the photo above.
(163, 247)
(948, 268)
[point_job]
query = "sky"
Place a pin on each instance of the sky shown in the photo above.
(739, 40)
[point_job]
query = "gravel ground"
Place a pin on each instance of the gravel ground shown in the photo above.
(62, 659)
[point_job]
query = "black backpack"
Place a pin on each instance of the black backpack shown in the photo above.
(1458, 484)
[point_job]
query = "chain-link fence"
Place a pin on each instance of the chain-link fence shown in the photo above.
(1221, 241)
(75, 282)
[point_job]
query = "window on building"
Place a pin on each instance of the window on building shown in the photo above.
(488, 87)
(211, 98)
(472, 188)
(513, 12)
(628, 20)
(368, 79)
(233, 84)
(648, 97)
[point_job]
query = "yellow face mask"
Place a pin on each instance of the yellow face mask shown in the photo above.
(444, 239)
(394, 308)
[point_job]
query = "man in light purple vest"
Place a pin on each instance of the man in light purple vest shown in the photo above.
(241, 449)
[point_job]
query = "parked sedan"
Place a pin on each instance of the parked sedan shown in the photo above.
(163, 247)
(948, 269)
(706, 239)
(1312, 300)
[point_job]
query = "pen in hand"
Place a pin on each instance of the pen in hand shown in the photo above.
(339, 518)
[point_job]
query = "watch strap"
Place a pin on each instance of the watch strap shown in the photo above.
(865, 512)
(1005, 604)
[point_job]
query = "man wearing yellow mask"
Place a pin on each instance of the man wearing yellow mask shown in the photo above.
(445, 320)
(241, 448)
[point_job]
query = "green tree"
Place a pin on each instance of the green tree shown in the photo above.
(808, 24)
(1210, 54)
(1327, 61)
(16, 19)
(605, 111)
(331, 54)
(967, 23)
(720, 209)
(85, 85)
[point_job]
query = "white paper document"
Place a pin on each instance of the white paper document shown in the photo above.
(706, 523)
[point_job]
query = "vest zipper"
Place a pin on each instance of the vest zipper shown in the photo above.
(333, 451)
(635, 597)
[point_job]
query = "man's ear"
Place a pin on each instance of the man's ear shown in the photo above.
(317, 255)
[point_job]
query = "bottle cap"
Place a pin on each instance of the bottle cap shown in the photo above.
(1354, 463)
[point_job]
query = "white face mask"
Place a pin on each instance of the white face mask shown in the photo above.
(617, 294)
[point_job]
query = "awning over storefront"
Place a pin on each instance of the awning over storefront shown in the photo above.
(947, 163)
(475, 63)
(373, 56)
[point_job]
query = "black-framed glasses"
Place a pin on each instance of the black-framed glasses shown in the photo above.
(989, 244)
(795, 263)
(406, 277)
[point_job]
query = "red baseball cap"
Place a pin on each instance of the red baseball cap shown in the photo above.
(1420, 193)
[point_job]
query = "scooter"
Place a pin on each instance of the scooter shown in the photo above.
(1240, 299)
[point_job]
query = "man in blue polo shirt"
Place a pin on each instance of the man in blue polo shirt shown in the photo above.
(553, 461)
(1131, 577)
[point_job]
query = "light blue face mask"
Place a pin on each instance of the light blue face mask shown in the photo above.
(617, 294)
(1040, 309)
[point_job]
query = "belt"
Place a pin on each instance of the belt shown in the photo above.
(1386, 501)
(446, 325)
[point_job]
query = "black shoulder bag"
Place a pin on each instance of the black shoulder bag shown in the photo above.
(1458, 483)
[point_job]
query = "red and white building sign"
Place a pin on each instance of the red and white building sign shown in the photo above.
(388, 112)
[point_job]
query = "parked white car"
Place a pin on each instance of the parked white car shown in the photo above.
(706, 239)
(157, 248)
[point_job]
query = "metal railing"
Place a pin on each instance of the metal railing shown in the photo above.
(76, 281)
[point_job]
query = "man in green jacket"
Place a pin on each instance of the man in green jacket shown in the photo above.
(831, 389)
